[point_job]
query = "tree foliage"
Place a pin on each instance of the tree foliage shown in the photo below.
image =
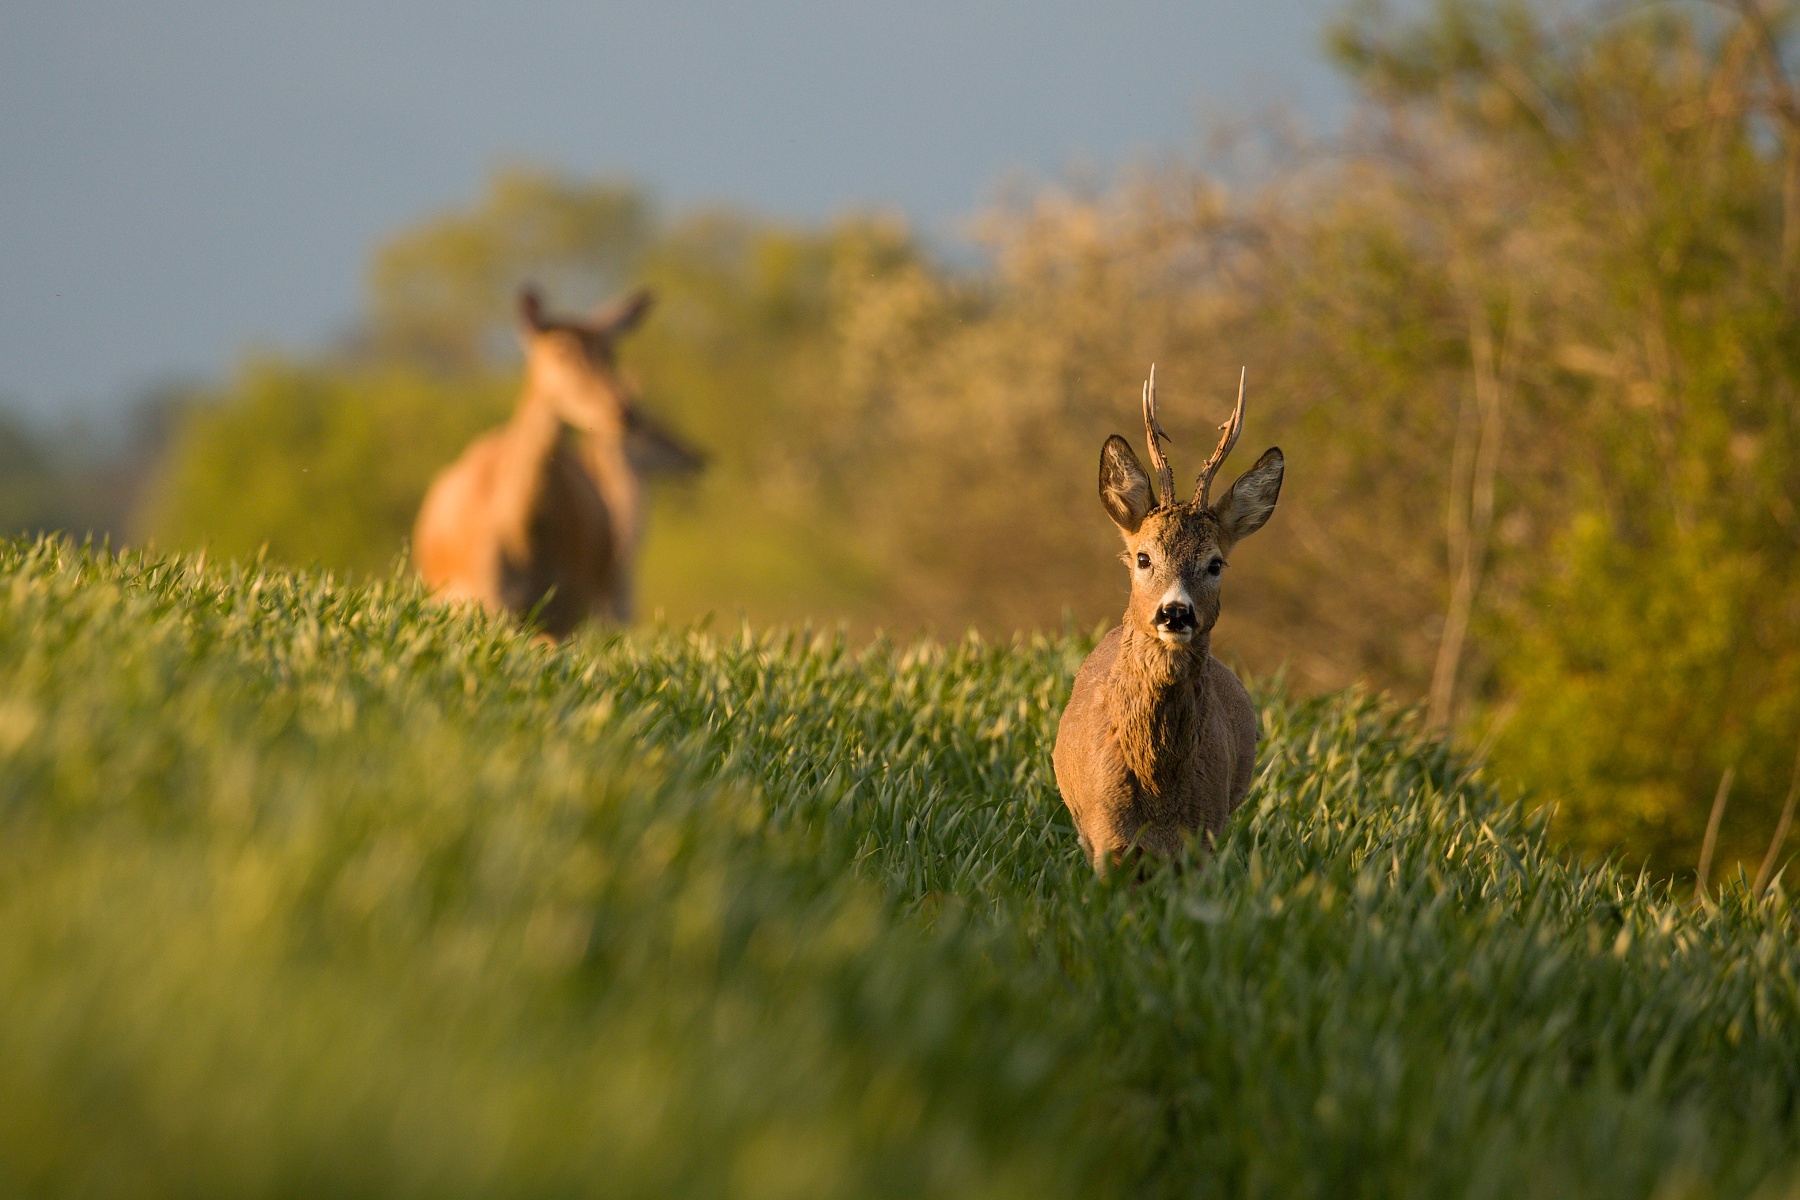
(317, 463)
(1646, 639)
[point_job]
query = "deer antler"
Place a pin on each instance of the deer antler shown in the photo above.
(1153, 433)
(1232, 427)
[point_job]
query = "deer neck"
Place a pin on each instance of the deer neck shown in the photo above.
(530, 441)
(1159, 701)
(605, 460)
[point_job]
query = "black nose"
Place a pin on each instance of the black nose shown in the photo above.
(1175, 617)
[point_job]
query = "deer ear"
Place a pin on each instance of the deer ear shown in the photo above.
(621, 315)
(531, 310)
(1124, 485)
(1250, 500)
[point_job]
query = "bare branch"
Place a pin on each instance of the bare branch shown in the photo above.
(1474, 469)
(1785, 103)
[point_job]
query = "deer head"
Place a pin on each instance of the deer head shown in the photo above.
(571, 362)
(1177, 551)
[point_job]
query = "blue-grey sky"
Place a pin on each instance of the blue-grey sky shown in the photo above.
(185, 178)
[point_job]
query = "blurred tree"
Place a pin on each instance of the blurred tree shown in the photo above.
(33, 492)
(321, 464)
(442, 291)
(1647, 639)
(68, 477)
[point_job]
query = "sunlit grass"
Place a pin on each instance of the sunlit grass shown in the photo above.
(313, 890)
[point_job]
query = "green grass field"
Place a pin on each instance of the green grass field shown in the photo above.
(309, 890)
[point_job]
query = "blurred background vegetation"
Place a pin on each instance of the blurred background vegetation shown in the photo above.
(1526, 330)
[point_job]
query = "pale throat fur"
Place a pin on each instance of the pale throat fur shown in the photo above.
(1159, 699)
(1157, 707)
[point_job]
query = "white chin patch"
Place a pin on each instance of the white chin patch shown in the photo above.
(1171, 637)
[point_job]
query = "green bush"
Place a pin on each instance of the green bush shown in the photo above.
(316, 464)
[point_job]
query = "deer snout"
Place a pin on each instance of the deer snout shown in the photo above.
(1175, 621)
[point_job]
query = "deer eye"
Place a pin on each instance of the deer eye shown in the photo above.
(1143, 561)
(1215, 566)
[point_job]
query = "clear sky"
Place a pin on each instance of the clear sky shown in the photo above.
(185, 178)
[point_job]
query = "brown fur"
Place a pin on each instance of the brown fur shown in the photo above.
(1158, 742)
(542, 517)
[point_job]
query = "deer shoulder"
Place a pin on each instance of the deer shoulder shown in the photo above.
(1158, 743)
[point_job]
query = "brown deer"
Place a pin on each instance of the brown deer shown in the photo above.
(1158, 743)
(542, 517)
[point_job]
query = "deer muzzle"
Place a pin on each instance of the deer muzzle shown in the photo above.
(1175, 621)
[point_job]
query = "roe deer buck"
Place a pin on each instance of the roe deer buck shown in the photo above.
(1158, 742)
(534, 520)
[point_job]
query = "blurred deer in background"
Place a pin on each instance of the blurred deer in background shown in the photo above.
(541, 518)
(1158, 742)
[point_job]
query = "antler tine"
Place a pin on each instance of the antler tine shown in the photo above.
(1153, 433)
(1232, 427)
